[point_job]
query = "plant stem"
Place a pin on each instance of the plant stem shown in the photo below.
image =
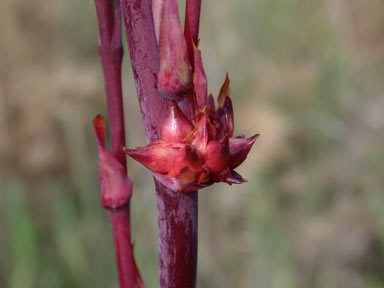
(177, 212)
(177, 220)
(120, 220)
(111, 55)
(144, 55)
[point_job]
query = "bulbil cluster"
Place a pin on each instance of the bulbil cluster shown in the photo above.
(197, 151)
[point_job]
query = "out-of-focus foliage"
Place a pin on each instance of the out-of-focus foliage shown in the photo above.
(308, 75)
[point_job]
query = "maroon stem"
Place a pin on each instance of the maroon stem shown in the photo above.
(191, 30)
(144, 55)
(112, 75)
(177, 220)
(111, 55)
(121, 226)
(177, 212)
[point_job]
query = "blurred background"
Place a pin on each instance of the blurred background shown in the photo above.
(306, 74)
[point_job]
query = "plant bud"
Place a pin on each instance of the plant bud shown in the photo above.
(116, 187)
(175, 70)
(176, 127)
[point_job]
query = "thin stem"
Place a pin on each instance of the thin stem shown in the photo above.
(120, 220)
(111, 55)
(177, 212)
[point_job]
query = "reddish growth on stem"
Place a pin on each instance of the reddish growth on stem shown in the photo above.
(193, 152)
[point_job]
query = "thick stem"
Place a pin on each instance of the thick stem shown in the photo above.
(144, 55)
(177, 213)
(191, 29)
(120, 220)
(177, 220)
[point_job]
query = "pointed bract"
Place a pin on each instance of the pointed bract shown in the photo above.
(224, 91)
(199, 80)
(235, 178)
(116, 187)
(239, 148)
(175, 70)
(225, 114)
(158, 156)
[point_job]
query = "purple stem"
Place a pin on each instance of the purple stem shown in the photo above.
(177, 212)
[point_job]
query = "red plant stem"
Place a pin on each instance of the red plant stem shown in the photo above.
(177, 212)
(177, 220)
(191, 30)
(111, 55)
(120, 220)
(112, 74)
(144, 55)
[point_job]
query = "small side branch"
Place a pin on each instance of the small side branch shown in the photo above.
(111, 54)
